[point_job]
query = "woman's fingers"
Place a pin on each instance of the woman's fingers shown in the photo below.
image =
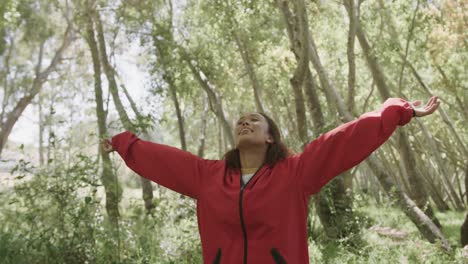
(429, 108)
(431, 102)
(106, 145)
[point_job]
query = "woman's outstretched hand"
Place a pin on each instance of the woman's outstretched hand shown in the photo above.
(428, 109)
(106, 145)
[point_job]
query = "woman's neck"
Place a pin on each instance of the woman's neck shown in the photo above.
(252, 157)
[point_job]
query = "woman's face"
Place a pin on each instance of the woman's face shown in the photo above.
(252, 129)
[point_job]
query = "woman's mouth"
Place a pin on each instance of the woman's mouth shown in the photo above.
(245, 131)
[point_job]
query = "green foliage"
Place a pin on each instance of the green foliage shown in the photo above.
(8, 17)
(48, 216)
(377, 248)
(57, 216)
(34, 16)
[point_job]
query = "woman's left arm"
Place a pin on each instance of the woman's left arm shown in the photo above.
(347, 145)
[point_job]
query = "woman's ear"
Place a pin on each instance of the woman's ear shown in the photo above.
(270, 139)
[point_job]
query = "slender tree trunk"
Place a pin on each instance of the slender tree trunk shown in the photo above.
(201, 147)
(50, 133)
(291, 124)
(330, 91)
(462, 107)
(213, 97)
(180, 118)
(418, 190)
(350, 53)
(394, 35)
(464, 227)
(438, 160)
(220, 139)
(425, 225)
(416, 182)
(434, 183)
(334, 207)
(109, 179)
(165, 57)
(7, 90)
(348, 177)
(315, 109)
(147, 189)
(460, 143)
(248, 64)
(41, 131)
(464, 232)
(297, 24)
(109, 72)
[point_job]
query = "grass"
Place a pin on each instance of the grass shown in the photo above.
(378, 248)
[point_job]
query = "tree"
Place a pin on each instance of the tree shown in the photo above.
(20, 93)
(113, 88)
(109, 179)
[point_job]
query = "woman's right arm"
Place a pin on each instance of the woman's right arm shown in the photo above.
(170, 167)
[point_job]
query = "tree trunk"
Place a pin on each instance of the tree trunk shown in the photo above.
(109, 179)
(201, 147)
(348, 177)
(220, 139)
(350, 53)
(460, 143)
(464, 227)
(41, 131)
(394, 35)
(50, 133)
(297, 25)
(415, 179)
(7, 90)
(334, 206)
(165, 57)
(425, 225)
(331, 92)
(418, 191)
(247, 60)
(109, 72)
(180, 118)
(147, 189)
(315, 109)
(438, 160)
(213, 97)
(464, 232)
(450, 85)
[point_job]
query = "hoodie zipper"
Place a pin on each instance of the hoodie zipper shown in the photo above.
(244, 232)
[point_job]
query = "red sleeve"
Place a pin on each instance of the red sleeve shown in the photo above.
(170, 167)
(347, 145)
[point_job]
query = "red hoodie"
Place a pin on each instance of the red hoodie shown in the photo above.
(266, 220)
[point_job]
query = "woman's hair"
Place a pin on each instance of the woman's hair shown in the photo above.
(276, 151)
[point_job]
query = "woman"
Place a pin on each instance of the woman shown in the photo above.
(252, 206)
